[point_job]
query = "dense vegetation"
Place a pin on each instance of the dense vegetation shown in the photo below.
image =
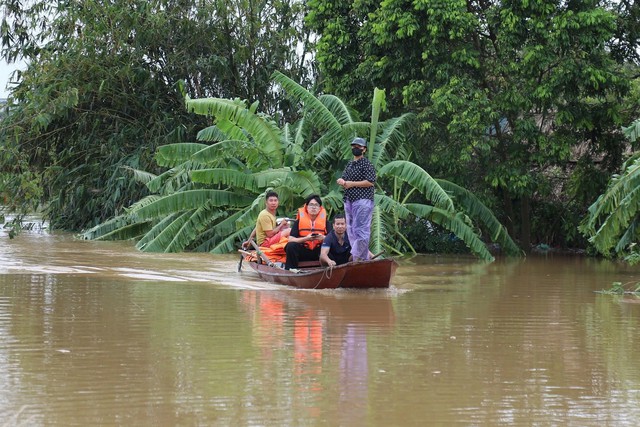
(100, 92)
(613, 219)
(211, 196)
(517, 99)
(521, 102)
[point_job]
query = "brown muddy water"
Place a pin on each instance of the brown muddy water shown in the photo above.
(96, 333)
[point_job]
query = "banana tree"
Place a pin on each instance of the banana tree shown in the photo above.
(404, 190)
(213, 189)
(613, 224)
(210, 195)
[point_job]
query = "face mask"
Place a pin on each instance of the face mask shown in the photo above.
(356, 151)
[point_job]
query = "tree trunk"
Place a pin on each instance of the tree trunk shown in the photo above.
(525, 223)
(508, 210)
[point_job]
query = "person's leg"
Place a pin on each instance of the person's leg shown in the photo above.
(293, 251)
(348, 215)
(271, 240)
(306, 254)
(362, 211)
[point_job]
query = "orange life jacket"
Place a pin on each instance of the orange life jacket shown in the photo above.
(275, 252)
(306, 226)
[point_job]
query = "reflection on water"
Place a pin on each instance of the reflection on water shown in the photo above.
(96, 333)
(354, 376)
(317, 328)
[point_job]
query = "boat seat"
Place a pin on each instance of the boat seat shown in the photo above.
(307, 264)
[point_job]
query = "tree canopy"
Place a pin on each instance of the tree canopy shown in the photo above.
(508, 92)
(100, 90)
(518, 103)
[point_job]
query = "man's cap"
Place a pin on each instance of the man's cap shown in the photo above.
(359, 141)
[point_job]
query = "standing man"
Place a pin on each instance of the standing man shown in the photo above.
(336, 249)
(357, 180)
(267, 232)
(307, 234)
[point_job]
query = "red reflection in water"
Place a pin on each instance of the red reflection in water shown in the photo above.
(314, 327)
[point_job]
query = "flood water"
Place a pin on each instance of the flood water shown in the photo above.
(96, 333)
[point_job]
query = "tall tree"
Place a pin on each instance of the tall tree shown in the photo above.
(100, 90)
(625, 44)
(506, 90)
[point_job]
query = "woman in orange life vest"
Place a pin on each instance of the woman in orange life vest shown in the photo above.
(307, 234)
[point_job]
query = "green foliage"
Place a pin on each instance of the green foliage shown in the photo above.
(619, 288)
(210, 198)
(212, 194)
(624, 44)
(404, 179)
(102, 90)
(633, 257)
(612, 221)
(429, 238)
(505, 92)
(18, 224)
(633, 130)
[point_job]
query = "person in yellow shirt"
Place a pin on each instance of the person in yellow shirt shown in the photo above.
(267, 231)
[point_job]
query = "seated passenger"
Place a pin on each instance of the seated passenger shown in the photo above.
(307, 234)
(336, 249)
(267, 231)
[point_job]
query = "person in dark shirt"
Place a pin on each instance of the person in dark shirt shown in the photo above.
(358, 180)
(336, 249)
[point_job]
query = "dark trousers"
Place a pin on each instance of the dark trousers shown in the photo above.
(297, 252)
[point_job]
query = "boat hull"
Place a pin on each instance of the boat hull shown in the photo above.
(364, 274)
(369, 274)
(313, 278)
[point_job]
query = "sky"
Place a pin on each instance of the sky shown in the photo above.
(5, 72)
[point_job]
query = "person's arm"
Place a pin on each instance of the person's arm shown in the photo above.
(364, 184)
(324, 257)
(270, 233)
(340, 181)
(246, 243)
(306, 238)
(294, 236)
(369, 181)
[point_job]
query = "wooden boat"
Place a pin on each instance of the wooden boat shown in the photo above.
(304, 278)
(364, 274)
